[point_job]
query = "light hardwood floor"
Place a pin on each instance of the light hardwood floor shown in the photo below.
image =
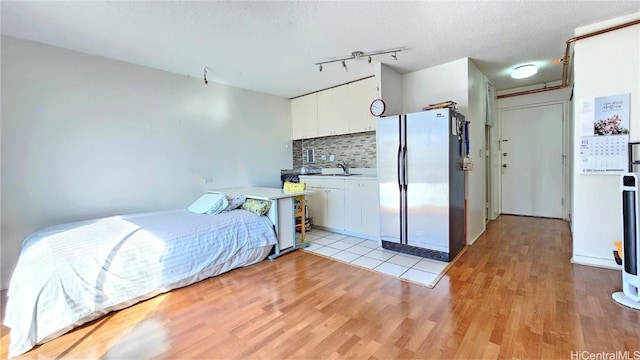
(513, 294)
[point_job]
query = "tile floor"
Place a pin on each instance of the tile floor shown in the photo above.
(369, 254)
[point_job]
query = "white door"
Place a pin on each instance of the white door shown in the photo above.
(532, 161)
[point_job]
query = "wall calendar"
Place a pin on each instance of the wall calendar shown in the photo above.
(604, 139)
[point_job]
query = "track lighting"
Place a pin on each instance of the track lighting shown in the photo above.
(357, 55)
(205, 75)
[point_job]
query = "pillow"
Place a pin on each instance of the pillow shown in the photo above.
(258, 207)
(235, 201)
(210, 204)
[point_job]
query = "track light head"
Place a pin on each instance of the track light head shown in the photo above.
(369, 61)
(344, 66)
(320, 68)
(394, 57)
(205, 75)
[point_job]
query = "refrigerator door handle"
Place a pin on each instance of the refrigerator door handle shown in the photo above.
(399, 167)
(405, 169)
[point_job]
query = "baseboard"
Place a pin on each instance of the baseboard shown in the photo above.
(596, 262)
(344, 232)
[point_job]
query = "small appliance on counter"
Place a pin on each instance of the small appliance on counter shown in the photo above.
(289, 175)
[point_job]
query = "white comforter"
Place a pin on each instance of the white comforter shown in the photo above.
(70, 274)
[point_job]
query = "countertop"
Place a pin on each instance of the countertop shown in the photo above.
(263, 193)
(340, 176)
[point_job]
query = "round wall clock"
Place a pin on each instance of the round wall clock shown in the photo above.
(377, 107)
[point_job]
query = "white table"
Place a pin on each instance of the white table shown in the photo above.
(281, 213)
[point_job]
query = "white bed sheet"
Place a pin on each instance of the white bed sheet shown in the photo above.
(73, 273)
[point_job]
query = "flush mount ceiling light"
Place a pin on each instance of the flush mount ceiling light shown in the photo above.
(524, 71)
(357, 55)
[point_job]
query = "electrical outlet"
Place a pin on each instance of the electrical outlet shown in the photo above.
(323, 157)
(208, 180)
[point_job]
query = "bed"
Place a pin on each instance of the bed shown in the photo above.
(70, 274)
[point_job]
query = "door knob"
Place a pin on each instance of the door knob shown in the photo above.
(504, 165)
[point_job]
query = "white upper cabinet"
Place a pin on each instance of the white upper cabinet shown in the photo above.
(333, 111)
(340, 110)
(361, 94)
(304, 117)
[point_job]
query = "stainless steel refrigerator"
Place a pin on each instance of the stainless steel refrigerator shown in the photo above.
(422, 183)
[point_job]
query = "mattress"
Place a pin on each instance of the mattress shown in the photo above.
(73, 273)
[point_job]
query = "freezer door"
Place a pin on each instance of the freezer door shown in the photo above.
(427, 175)
(388, 147)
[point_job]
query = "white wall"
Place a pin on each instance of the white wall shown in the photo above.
(389, 89)
(436, 84)
(84, 137)
(476, 179)
(462, 82)
(604, 65)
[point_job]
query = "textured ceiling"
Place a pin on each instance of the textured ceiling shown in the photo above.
(272, 47)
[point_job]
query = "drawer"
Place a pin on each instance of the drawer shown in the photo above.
(353, 183)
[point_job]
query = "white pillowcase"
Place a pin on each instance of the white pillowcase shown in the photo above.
(210, 204)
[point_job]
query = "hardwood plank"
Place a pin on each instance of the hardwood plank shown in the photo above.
(513, 294)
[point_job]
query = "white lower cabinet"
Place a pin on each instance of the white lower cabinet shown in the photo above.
(362, 210)
(326, 203)
(350, 205)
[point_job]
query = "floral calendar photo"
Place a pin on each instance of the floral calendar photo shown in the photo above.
(605, 135)
(611, 115)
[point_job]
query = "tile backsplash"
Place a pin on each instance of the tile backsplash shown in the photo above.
(357, 150)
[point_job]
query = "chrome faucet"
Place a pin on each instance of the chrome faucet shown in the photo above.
(344, 166)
